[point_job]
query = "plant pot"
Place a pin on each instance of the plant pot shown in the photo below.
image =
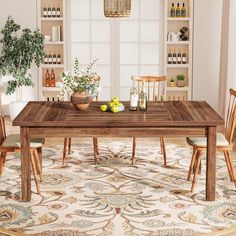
(180, 83)
(80, 101)
(15, 108)
(172, 84)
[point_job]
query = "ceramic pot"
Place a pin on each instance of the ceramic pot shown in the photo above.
(172, 84)
(180, 83)
(80, 101)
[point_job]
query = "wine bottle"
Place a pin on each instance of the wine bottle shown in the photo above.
(172, 10)
(58, 12)
(177, 11)
(133, 99)
(45, 12)
(54, 13)
(49, 12)
(179, 59)
(143, 99)
(47, 79)
(58, 59)
(52, 79)
(170, 57)
(50, 58)
(54, 59)
(184, 58)
(174, 58)
(183, 11)
(45, 60)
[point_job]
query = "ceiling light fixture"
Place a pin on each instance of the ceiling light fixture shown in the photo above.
(117, 8)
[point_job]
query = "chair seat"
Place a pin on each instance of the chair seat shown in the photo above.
(202, 141)
(13, 140)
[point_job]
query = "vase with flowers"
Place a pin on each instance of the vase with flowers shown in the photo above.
(84, 85)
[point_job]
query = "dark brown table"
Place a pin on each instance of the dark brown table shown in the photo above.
(168, 119)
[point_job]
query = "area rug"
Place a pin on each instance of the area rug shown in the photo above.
(114, 197)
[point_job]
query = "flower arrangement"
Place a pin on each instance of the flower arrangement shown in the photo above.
(83, 81)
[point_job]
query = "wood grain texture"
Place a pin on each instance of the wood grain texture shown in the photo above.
(170, 114)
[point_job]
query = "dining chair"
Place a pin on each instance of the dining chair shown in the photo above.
(155, 86)
(223, 143)
(67, 140)
(11, 143)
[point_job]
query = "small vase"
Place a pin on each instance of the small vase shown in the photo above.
(180, 83)
(80, 101)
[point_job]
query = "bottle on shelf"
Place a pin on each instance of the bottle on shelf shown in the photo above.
(45, 60)
(133, 106)
(54, 58)
(54, 12)
(58, 12)
(52, 79)
(49, 12)
(58, 59)
(50, 58)
(45, 12)
(184, 58)
(178, 11)
(172, 10)
(179, 58)
(143, 99)
(183, 11)
(170, 57)
(47, 79)
(174, 58)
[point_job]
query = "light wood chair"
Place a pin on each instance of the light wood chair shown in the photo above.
(155, 87)
(223, 143)
(11, 143)
(67, 141)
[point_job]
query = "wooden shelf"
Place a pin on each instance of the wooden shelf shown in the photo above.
(51, 19)
(177, 42)
(177, 65)
(178, 18)
(177, 89)
(51, 89)
(52, 66)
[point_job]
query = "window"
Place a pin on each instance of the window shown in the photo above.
(124, 47)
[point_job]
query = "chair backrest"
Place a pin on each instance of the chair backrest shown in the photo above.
(155, 86)
(231, 116)
(2, 130)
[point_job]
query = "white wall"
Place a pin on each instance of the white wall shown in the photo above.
(232, 48)
(206, 52)
(24, 13)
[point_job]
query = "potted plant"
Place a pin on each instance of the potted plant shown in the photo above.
(19, 50)
(180, 80)
(83, 83)
(172, 83)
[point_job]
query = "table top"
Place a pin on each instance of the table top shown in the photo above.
(171, 114)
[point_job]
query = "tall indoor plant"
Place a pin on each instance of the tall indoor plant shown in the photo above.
(19, 49)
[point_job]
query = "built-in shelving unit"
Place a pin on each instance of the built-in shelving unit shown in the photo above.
(173, 25)
(54, 30)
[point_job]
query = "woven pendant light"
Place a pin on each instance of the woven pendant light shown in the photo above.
(117, 8)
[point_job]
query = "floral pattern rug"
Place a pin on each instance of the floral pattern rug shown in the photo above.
(114, 197)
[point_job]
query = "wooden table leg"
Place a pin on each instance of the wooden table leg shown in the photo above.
(211, 164)
(25, 165)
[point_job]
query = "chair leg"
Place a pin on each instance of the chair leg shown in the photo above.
(39, 152)
(95, 143)
(163, 148)
(231, 168)
(228, 165)
(33, 165)
(133, 150)
(192, 164)
(69, 146)
(2, 161)
(38, 165)
(198, 161)
(64, 151)
(95, 147)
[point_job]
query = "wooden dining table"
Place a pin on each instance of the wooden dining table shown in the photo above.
(162, 119)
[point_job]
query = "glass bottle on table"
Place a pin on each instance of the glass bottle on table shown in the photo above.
(183, 11)
(47, 79)
(52, 79)
(178, 11)
(143, 99)
(133, 106)
(172, 10)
